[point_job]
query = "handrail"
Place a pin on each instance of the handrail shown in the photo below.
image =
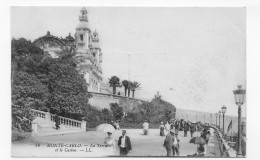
(63, 120)
(39, 113)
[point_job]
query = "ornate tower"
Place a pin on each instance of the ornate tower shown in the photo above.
(83, 32)
(89, 53)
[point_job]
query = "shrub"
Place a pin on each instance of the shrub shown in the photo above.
(19, 136)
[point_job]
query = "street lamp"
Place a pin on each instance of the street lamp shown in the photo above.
(216, 114)
(204, 118)
(239, 99)
(210, 118)
(223, 109)
(219, 113)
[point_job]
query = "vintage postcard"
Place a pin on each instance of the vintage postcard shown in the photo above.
(128, 81)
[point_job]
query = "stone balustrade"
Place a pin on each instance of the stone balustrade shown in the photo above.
(67, 121)
(225, 149)
(37, 113)
(48, 117)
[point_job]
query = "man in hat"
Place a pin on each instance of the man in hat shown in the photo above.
(168, 142)
(124, 144)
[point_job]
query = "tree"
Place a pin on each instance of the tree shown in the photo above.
(28, 91)
(67, 54)
(114, 82)
(107, 115)
(68, 89)
(129, 87)
(117, 111)
(125, 83)
(40, 81)
(135, 85)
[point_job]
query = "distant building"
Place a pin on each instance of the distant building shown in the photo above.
(89, 54)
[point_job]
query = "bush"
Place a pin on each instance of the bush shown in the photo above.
(117, 111)
(19, 136)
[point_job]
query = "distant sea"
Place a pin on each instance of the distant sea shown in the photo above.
(191, 115)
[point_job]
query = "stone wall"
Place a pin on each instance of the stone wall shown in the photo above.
(102, 100)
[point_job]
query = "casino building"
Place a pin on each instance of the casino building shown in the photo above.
(89, 53)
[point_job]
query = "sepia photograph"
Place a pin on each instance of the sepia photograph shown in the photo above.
(92, 81)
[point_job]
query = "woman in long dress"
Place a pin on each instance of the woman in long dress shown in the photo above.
(109, 140)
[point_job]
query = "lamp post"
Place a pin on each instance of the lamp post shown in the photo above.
(239, 99)
(216, 114)
(204, 118)
(219, 113)
(223, 109)
(210, 118)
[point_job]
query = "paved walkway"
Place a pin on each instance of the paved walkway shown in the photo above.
(213, 149)
(149, 145)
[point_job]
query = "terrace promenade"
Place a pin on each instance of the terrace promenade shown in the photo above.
(150, 145)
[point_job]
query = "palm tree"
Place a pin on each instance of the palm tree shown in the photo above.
(129, 87)
(114, 82)
(135, 85)
(68, 53)
(125, 83)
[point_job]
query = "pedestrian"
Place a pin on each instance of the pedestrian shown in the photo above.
(177, 126)
(124, 144)
(145, 127)
(172, 125)
(109, 140)
(161, 129)
(57, 121)
(186, 129)
(114, 124)
(201, 152)
(117, 125)
(176, 145)
(192, 129)
(167, 127)
(168, 142)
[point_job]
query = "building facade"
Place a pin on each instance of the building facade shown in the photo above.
(88, 52)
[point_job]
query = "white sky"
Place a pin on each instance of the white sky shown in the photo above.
(199, 52)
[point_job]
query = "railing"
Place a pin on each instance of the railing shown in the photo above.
(38, 113)
(225, 149)
(63, 120)
(67, 121)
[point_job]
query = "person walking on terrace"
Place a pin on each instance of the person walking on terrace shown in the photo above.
(162, 129)
(124, 144)
(145, 127)
(57, 121)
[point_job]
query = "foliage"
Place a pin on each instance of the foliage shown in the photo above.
(133, 86)
(114, 82)
(107, 115)
(45, 83)
(117, 111)
(93, 117)
(19, 136)
(154, 112)
(28, 91)
(68, 89)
